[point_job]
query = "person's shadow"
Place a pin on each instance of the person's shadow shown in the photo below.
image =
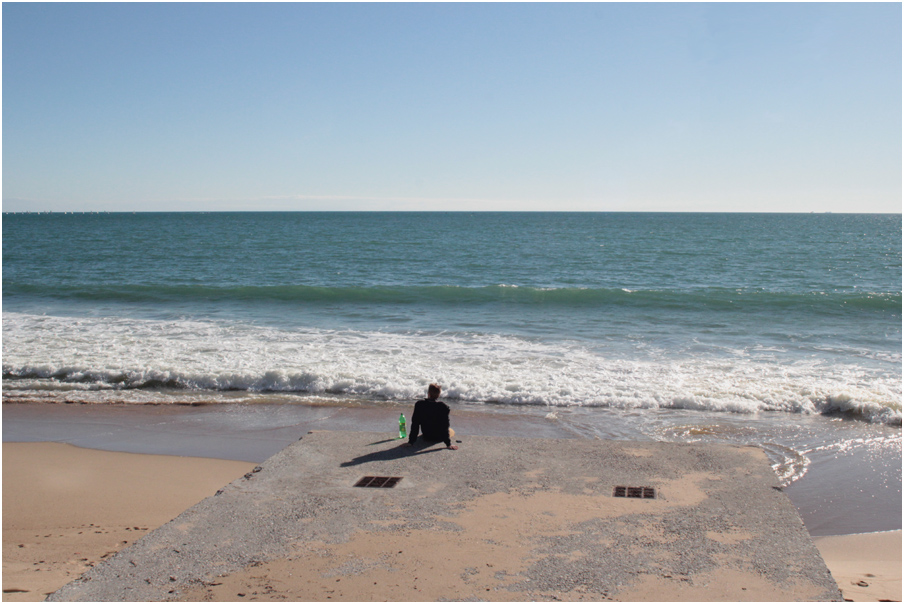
(419, 448)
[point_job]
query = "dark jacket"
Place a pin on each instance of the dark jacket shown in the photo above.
(432, 418)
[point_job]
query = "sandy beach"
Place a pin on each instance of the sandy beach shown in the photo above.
(66, 508)
(867, 567)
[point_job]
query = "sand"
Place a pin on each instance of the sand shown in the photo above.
(66, 508)
(867, 567)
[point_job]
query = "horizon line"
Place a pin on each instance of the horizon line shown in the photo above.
(433, 212)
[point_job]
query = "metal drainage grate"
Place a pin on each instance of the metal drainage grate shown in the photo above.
(379, 482)
(635, 492)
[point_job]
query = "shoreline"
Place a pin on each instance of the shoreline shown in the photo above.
(844, 491)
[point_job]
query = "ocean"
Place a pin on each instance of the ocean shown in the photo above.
(780, 330)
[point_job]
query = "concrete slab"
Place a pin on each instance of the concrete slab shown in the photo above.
(499, 519)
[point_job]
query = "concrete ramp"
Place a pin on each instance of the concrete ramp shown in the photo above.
(499, 519)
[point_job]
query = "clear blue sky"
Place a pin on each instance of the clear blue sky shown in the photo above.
(602, 107)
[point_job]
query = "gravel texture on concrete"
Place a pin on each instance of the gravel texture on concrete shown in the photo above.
(716, 507)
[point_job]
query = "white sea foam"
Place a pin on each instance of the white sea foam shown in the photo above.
(125, 357)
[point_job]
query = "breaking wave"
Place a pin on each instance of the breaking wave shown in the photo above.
(96, 360)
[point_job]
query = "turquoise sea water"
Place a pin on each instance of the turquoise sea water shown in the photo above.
(778, 330)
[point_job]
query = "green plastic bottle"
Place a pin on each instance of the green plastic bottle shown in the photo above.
(403, 432)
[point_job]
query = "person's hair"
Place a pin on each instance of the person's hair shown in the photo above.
(433, 391)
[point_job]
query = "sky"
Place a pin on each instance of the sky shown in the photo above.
(730, 107)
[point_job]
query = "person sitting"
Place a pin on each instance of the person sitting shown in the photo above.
(431, 417)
